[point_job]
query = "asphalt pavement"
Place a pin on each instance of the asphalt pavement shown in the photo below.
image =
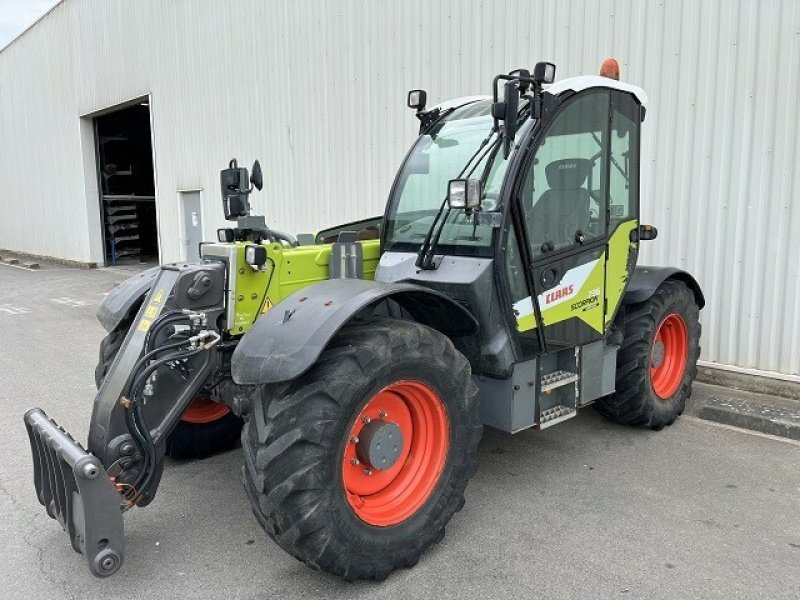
(587, 509)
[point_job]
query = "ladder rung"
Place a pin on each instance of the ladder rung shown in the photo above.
(556, 379)
(555, 415)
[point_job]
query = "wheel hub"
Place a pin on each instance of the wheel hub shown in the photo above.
(380, 444)
(657, 354)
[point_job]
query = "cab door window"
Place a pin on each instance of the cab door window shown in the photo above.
(564, 195)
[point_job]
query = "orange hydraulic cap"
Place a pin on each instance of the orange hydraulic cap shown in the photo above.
(610, 69)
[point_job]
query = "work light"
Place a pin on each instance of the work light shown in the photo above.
(417, 99)
(225, 235)
(544, 72)
(255, 256)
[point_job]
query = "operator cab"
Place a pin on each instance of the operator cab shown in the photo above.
(524, 207)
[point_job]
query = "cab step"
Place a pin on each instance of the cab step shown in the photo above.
(557, 379)
(555, 415)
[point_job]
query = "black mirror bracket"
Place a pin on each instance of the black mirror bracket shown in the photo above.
(427, 118)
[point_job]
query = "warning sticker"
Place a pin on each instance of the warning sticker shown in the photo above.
(267, 305)
(144, 325)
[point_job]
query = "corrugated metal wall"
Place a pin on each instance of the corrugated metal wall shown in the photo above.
(316, 89)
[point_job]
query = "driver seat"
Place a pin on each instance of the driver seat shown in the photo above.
(565, 208)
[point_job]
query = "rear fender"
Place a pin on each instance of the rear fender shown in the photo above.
(646, 280)
(287, 340)
(125, 299)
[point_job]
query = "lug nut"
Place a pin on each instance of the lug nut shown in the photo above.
(367, 472)
(354, 439)
(355, 462)
(383, 414)
(367, 420)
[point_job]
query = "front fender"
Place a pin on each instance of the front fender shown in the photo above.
(287, 340)
(645, 281)
(119, 302)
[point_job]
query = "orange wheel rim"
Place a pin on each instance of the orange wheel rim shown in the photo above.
(668, 356)
(203, 410)
(387, 496)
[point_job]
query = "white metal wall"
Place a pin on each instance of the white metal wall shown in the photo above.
(316, 90)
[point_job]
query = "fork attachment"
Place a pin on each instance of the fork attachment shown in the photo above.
(73, 487)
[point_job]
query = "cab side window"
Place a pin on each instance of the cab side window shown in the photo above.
(564, 194)
(623, 177)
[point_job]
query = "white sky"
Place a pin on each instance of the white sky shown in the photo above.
(17, 15)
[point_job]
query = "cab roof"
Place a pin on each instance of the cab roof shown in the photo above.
(584, 82)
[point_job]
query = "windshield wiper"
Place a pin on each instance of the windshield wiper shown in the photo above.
(428, 248)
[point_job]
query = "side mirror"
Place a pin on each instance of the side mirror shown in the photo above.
(234, 182)
(464, 193)
(511, 102)
(257, 177)
(647, 232)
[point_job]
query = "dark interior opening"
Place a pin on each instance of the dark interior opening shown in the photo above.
(127, 189)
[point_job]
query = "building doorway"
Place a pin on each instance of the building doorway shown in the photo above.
(127, 187)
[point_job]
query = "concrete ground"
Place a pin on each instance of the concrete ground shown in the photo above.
(587, 509)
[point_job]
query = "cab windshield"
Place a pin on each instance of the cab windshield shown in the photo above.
(437, 157)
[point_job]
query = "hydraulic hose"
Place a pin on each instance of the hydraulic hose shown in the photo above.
(134, 414)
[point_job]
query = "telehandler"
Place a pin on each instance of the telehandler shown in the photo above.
(500, 288)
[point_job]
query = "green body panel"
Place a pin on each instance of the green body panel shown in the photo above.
(605, 277)
(586, 304)
(248, 292)
(287, 270)
(303, 265)
(619, 266)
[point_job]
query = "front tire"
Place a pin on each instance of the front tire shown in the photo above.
(309, 467)
(657, 361)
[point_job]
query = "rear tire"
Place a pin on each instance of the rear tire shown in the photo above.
(657, 361)
(300, 451)
(188, 440)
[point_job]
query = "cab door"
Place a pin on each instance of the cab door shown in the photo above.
(562, 221)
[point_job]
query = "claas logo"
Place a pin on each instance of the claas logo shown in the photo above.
(559, 293)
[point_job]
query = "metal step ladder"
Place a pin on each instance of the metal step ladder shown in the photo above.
(565, 409)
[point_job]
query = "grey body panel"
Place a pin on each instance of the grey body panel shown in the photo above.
(598, 370)
(516, 403)
(645, 281)
(470, 282)
(287, 340)
(119, 302)
(510, 404)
